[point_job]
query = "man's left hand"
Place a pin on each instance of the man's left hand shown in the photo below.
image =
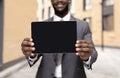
(83, 49)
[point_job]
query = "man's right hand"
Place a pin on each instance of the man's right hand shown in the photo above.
(27, 47)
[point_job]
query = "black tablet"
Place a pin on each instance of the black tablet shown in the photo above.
(54, 37)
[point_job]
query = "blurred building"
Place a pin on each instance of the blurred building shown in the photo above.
(15, 22)
(16, 16)
(103, 16)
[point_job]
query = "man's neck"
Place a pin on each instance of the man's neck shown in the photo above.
(65, 18)
(61, 14)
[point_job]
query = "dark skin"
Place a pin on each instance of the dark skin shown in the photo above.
(61, 8)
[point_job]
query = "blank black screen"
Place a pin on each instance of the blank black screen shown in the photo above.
(54, 37)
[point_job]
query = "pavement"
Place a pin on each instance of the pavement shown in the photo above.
(106, 66)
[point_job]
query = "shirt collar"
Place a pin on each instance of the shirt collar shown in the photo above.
(65, 18)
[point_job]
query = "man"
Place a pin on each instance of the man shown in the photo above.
(71, 65)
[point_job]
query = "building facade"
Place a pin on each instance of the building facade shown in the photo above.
(103, 17)
(15, 23)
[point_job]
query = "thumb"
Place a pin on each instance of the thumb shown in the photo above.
(32, 55)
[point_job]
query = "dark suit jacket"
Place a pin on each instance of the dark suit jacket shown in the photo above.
(72, 65)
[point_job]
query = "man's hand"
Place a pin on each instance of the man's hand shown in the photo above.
(83, 49)
(27, 47)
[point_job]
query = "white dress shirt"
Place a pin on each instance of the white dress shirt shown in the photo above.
(58, 69)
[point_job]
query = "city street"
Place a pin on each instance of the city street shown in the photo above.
(106, 66)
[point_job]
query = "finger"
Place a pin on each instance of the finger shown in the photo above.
(27, 43)
(82, 45)
(32, 55)
(83, 55)
(27, 53)
(77, 54)
(84, 58)
(90, 45)
(87, 54)
(24, 42)
(80, 54)
(78, 45)
(28, 39)
(27, 49)
(83, 49)
(78, 49)
(81, 41)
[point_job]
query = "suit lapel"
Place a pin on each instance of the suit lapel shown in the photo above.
(72, 18)
(50, 19)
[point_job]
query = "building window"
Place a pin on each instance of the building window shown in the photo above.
(108, 22)
(49, 12)
(43, 2)
(43, 11)
(72, 8)
(108, 2)
(1, 29)
(87, 4)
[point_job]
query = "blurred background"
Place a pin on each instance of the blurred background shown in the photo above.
(16, 16)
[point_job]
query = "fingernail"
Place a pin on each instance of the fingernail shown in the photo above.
(33, 48)
(77, 49)
(32, 44)
(77, 54)
(76, 45)
(31, 39)
(77, 41)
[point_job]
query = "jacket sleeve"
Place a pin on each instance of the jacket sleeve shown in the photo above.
(31, 61)
(88, 37)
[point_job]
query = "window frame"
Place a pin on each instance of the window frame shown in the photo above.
(107, 22)
(1, 30)
(87, 5)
